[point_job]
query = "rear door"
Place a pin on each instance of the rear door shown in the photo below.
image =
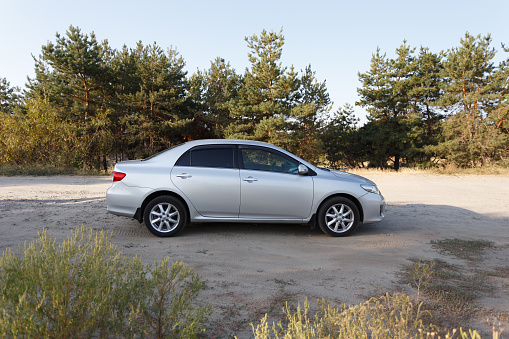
(209, 177)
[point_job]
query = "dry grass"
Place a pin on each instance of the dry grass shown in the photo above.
(451, 292)
(46, 170)
(450, 170)
(385, 317)
(463, 249)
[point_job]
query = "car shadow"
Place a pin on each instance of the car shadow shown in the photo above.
(201, 229)
(399, 219)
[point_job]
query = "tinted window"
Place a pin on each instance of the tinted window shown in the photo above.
(212, 157)
(265, 160)
(184, 160)
(208, 156)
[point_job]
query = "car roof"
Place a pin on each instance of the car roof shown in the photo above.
(227, 141)
(175, 152)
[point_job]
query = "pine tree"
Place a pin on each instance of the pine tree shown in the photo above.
(213, 90)
(9, 97)
(267, 94)
(312, 105)
(74, 75)
(341, 139)
(155, 109)
(386, 94)
(474, 94)
(72, 71)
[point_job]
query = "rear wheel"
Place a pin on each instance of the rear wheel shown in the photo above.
(165, 216)
(338, 217)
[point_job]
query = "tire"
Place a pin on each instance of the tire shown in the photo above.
(165, 216)
(338, 217)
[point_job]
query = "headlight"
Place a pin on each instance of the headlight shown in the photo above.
(370, 188)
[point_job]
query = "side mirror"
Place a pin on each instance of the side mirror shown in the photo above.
(303, 170)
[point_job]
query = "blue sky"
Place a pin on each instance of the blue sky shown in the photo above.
(336, 37)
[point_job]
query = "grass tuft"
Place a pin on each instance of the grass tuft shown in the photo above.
(464, 249)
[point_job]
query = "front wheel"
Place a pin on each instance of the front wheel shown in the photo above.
(338, 217)
(165, 216)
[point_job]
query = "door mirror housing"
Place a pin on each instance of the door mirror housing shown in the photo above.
(303, 170)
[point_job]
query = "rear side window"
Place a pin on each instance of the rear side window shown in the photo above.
(219, 157)
(184, 160)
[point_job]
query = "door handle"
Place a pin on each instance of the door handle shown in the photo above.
(184, 175)
(250, 179)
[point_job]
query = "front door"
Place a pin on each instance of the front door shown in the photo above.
(271, 187)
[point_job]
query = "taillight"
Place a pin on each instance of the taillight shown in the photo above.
(117, 176)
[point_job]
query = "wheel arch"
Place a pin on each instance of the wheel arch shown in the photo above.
(139, 212)
(347, 196)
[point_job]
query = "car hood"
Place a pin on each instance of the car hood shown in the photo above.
(350, 177)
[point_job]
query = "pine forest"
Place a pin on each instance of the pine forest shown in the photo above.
(89, 106)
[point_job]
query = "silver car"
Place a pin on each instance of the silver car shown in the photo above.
(240, 181)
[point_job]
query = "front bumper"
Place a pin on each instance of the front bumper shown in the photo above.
(373, 207)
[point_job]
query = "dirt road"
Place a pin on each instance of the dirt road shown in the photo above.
(251, 269)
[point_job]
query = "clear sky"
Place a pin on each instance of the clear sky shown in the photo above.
(336, 37)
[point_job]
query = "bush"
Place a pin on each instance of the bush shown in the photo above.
(85, 287)
(389, 316)
(38, 137)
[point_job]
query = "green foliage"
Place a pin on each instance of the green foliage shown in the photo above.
(398, 94)
(72, 73)
(341, 139)
(475, 91)
(424, 109)
(153, 110)
(265, 97)
(213, 90)
(9, 97)
(40, 136)
(85, 287)
(407, 98)
(306, 117)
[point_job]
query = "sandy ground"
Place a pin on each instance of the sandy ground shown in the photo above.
(250, 269)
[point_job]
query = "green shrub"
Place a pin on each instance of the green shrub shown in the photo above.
(85, 287)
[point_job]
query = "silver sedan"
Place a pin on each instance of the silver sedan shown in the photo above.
(240, 181)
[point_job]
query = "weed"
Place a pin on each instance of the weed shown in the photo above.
(500, 272)
(421, 274)
(449, 291)
(283, 283)
(388, 316)
(464, 249)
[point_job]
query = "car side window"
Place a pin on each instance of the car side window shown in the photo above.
(218, 157)
(184, 160)
(266, 160)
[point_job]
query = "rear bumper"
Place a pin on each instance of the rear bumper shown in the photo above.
(125, 200)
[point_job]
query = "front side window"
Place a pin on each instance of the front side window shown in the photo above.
(222, 157)
(266, 160)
